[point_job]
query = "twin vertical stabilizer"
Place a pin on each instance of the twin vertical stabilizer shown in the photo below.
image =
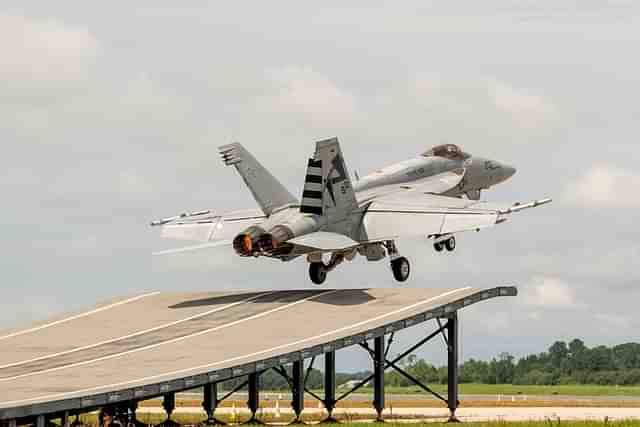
(327, 187)
(266, 189)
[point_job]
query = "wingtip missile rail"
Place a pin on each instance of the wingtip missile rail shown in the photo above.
(164, 221)
(521, 206)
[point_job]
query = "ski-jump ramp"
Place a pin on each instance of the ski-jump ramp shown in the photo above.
(156, 344)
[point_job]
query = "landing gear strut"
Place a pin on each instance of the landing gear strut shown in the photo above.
(400, 266)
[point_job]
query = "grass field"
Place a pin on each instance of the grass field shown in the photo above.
(408, 402)
(191, 420)
(529, 390)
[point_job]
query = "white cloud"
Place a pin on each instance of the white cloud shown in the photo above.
(549, 292)
(526, 108)
(43, 50)
(133, 184)
(303, 90)
(495, 104)
(605, 186)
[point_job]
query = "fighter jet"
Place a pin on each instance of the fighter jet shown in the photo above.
(434, 195)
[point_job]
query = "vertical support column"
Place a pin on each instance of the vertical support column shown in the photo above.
(452, 366)
(76, 422)
(378, 376)
(65, 419)
(297, 389)
(254, 395)
(210, 403)
(41, 421)
(12, 423)
(169, 404)
(132, 415)
(330, 384)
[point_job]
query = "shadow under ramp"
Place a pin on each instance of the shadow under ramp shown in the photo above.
(346, 297)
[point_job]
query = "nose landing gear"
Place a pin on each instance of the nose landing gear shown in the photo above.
(449, 244)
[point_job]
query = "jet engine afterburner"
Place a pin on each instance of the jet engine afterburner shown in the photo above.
(256, 241)
(245, 243)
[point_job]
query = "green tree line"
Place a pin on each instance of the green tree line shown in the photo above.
(572, 363)
(562, 363)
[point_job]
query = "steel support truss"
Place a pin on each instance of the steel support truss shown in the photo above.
(381, 362)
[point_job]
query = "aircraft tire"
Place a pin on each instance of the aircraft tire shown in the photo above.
(401, 269)
(438, 246)
(450, 244)
(318, 272)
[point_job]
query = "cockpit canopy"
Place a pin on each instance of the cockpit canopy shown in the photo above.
(448, 151)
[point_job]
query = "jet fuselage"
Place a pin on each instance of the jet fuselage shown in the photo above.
(480, 173)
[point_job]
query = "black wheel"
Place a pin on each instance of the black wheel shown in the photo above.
(438, 246)
(401, 269)
(318, 272)
(450, 243)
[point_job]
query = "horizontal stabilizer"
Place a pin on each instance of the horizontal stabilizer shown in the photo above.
(323, 241)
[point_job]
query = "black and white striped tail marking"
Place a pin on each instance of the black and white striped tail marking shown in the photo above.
(313, 189)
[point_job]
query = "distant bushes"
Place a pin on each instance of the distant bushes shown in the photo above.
(563, 363)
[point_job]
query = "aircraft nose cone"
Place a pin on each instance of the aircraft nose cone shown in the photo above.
(509, 171)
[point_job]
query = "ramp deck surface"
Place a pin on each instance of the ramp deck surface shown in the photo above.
(150, 344)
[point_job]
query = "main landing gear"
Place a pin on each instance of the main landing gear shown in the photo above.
(401, 269)
(449, 244)
(400, 266)
(318, 270)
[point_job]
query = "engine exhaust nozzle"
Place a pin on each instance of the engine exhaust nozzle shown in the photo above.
(246, 243)
(266, 243)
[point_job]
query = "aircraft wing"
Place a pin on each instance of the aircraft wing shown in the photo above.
(429, 215)
(435, 184)
(209, 229)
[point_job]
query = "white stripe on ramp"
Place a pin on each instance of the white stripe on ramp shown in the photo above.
(171, 341)
(211, 365)
(79, 316)
(135, 334)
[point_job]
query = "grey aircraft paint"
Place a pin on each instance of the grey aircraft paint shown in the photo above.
(480, 173)
(422, 196)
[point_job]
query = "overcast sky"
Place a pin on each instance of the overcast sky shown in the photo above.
(111, 115)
